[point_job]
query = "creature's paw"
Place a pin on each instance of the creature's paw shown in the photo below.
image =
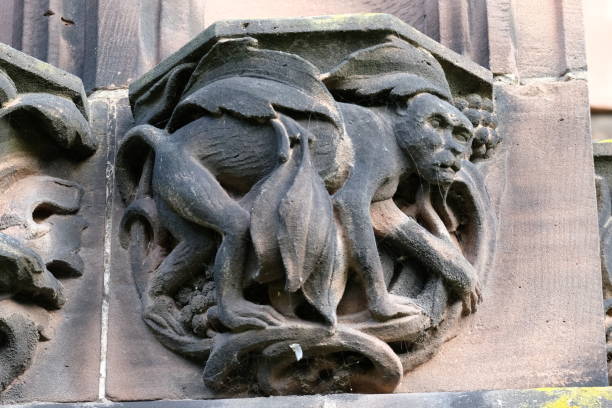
(392, 306)
(162, 315)
(243, 315)
(471, 299)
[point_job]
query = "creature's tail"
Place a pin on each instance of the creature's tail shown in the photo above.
(139, 225)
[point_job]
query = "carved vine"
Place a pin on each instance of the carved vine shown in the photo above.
(303, 231)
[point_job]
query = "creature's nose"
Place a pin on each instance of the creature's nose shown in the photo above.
(451, 161)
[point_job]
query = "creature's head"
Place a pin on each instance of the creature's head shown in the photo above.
(408, 86)
(434, 135)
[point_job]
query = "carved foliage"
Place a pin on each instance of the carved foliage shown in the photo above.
(39, 233)
(307, 231)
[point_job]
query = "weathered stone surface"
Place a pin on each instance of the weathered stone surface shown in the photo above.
(88, 39)
(51, 234)
(458, 25)
(598, 28)
(516, 319)
(305, 281)
(543, 39)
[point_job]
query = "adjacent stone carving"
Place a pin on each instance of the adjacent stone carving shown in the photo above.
(604, 201)
(42, 115)
(307, 224)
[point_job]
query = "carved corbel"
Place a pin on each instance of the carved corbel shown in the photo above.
(302, 222)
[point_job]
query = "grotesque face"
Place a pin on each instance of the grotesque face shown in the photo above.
(435, 136)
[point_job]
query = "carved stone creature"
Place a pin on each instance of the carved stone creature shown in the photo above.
(39, 233)
(335, 239)
(419, 134)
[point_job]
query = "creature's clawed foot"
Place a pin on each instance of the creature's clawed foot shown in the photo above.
(163, 316)
(243, 315)
(471, 299)
(393, 306)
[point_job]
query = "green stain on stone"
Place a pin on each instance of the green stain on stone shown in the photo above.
(584, 397)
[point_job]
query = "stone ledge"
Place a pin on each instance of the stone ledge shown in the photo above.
(583, 397)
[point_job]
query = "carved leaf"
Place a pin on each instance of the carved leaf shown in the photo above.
(307, 238)
(265, 221)
(20, 336)
(293, 229)
(8, 90)
(22, 271)
(54, 117)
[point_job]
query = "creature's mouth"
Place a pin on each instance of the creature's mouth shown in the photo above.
(454, 166)
(446, 169)
(443, 173)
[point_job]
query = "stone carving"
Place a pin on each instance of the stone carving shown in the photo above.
(307, 230)
(604, 201)
(42, 114)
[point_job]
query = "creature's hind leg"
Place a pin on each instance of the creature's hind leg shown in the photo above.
(232, 309)
(196, 195)
(186, 260)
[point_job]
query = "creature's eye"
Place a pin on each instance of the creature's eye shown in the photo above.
(437, 122)
(462, 135)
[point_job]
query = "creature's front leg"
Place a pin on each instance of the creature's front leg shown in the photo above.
(439, 255)
(354, 215)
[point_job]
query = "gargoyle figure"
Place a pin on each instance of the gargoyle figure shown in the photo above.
(235, 159)
(408, 120)
(39, 233)
(332, 227)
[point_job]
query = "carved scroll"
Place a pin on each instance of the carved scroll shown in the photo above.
(300, 230)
